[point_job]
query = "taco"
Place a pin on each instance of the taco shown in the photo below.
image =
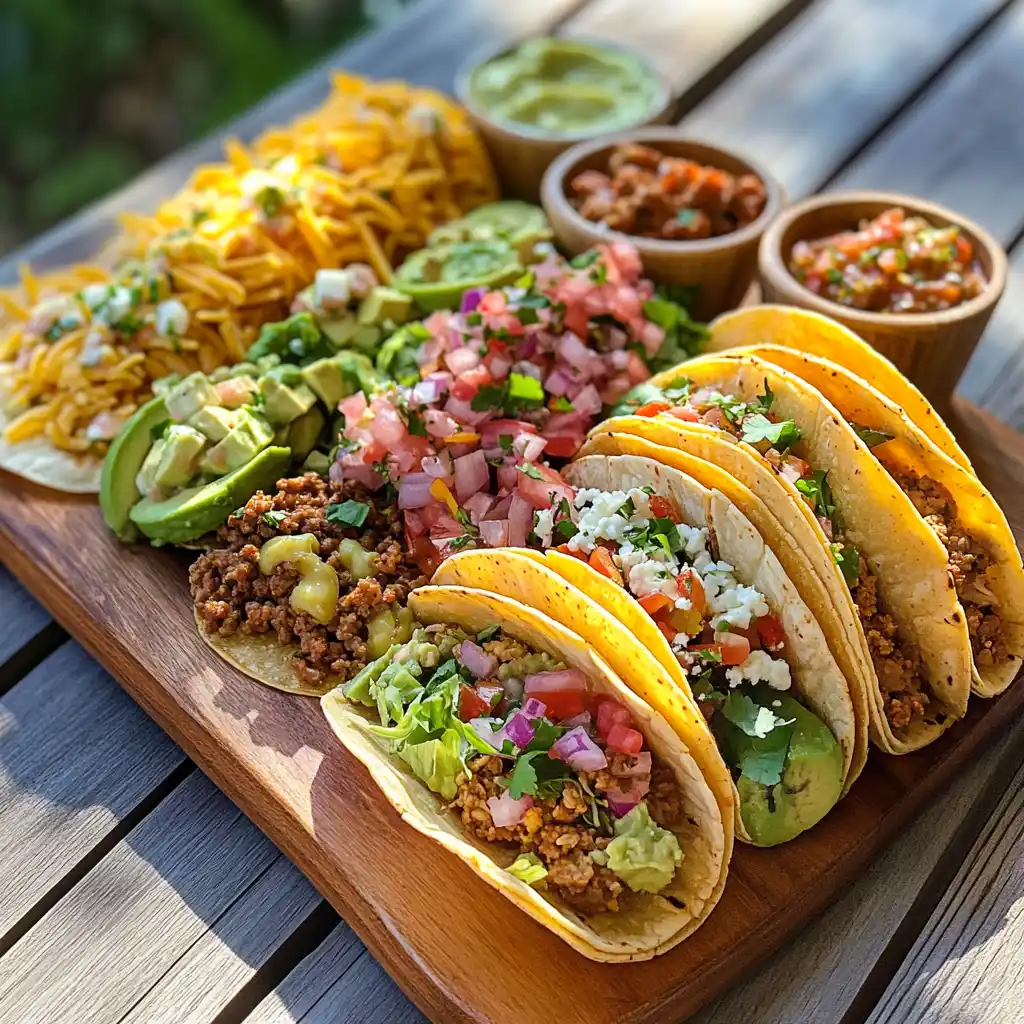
(717, 621)
(983, 558)
(819, 335)
(883, 569)
(503, 736)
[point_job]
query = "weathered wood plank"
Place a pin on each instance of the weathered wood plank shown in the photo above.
(338, 983)
(22, 621)
(822, 972)
(175, 878)
(827, 82)
(77, 757)
(966, 964)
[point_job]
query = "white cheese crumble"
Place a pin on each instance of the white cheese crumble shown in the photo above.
(543, 524)
(332, 288)
(171, 318)
(764, 723)
(736, 605)
(760, 666)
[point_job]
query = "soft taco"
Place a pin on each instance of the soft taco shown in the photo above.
(819, 335)
(982, 554)
(503, 736)
(717, 620)
(884, 571)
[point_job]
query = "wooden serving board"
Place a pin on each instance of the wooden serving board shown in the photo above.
(459, 949)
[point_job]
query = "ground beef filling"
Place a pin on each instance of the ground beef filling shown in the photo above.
(968, 561)
(555, 830)
(231, 595)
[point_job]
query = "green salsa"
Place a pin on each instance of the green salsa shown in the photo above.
(560, 87)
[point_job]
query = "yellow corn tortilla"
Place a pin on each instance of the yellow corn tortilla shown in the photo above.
(820, 335)
(905, 556)
(913, 450)
(645, 925)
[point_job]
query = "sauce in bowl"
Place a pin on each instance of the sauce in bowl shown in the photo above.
(558, 87)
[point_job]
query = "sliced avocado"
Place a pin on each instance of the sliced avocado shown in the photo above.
(188, 396)
(304, 432)
(812, 780)
(384, 304)
(317, 462)
(237, 390)
(366, 339)
(191, 514)
(180, 456)
(339, 329)
(145, 480)
(284, 403)
(127, 453)
(325, 379)
(214, 421)
(250, 436)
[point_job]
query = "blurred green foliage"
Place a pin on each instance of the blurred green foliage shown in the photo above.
(93, 91)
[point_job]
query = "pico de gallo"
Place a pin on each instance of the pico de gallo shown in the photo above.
(897, 662)
(892, 264)
(516, 375)
(531, 759)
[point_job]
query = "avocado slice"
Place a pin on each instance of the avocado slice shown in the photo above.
(188, 396)
(182, 448)
(812, 780)
(118, 491)
(384, 304)
(250, 435)
(214, 421)
(197, 511)
(283, 403)
(304, 432)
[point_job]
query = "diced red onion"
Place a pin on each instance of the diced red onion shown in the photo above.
(471, 299)
(500, 511)
(388, 426)
(438, 466)
(490, 432)
(477, 660)
(622, 801)
(471, 475)
(642, 766)
(414, 490)
(426, 391)
(534, 708)
(572, 349)
(579, 751)
(588, 401)
(508, 477)
(505, 811)
(558, 382)
(464, 412)
(520, 522)
(439, 424)
(519, 729)
(477, 506)
(461, 359)
(486, 731)
(500, 367)
(583, 718)
(494, 533)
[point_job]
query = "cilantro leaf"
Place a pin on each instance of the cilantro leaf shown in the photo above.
(488, 633)
(818, 492)
(566, 529)
(781, 435)
(585, 259)
(847, 557)
(524, 776)
(415, 422)
(562, 404)
(348, 513)
(765, 759)
(531, 471)
(753, 719)
(505, 442)
(274, 518)
(733, 408)
(872, 438)
(488, 397)
(765, 400)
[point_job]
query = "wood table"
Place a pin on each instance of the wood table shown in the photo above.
(132, 890)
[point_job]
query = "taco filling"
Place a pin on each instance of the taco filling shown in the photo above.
(530, 760)
(897, 662)
(320, 565)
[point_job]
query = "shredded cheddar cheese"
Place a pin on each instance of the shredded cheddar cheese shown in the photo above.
(364, 178)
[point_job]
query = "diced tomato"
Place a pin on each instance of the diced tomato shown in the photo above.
(609, 715)
(465, 386)
(684, 413)
(546, 491)
(654, 603)
(623, 740)
(689, 585)
(772, 635)
(373, 451)
(564, 694)
(664, 508)
(601, 560)
(964, 250)
(652, 408)
(670, 633)
(566, 550)
(425, 555)
(713, 648)
(751, 633)
(735, 648)
(471, 704)
(563, 447)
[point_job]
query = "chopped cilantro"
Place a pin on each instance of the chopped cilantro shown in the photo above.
(834, 276)
(562, 404)
(733, 408)
(818, 492)
(488, 633)
(599, 274)
(474, 319)
(847, 557)
(274, 518)
(536, 773)
(765, 401)
(348, 513)
(752, 719)
(766, 758)
(871, 437)
(526, 315)
(518, 393)
(505, 442)
(534, 301)
(781, 435)
(414, 421)
(488, 397)
(585, 259)
(566, 529)
(531, 471)
(709, 656)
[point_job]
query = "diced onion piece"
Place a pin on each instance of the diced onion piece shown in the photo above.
(534, 708)
(520, 522)
(505, 811)
(414, 490)
(477, 660)
(640, 766)
(460, 360)
(519, 729)
(580, 751)
(494, 533)
(471, 475)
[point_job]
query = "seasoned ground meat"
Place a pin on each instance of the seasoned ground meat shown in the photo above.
(555, 830)
(232, 595)
(968, 561)
(897, 664)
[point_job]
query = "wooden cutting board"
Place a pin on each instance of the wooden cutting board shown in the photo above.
(460, 951)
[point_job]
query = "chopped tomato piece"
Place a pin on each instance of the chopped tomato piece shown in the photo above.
(623, 740)
(664, 508)
(654, 603)
(601, 560)
(465, 386)
(562, 447)
(773, 636)
(735, 648)
(689, 585)
(652, 408)
(670, 633)
(751, 633)
(713, 648)
(685, 413)
(566, 550)
(564, 694)
(609, 715)
(471, 704)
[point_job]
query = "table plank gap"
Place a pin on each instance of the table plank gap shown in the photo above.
(30, 654)
(26, 632)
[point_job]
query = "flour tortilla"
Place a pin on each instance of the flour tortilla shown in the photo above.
(819, 335)
(905, 556)
(913, 450)
(646, 924)
(37, 460)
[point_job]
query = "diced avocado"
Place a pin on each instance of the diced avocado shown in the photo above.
(339, 329)
(250, 436)
(282, 403)
(317, 462)
(304, 432)
(324, 378)
(191, 514)
(366, 339)
(124, 461)
(286, 373)
(188, 396)
(214, 421)
(384, 304)
(180, 456)
(238, 390)
(145, 480)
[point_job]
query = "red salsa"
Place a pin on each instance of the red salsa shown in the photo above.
(892, 264)
(649, 194)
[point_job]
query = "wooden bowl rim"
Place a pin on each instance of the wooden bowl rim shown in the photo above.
(556, 202)
(772, 263)
(662, 102)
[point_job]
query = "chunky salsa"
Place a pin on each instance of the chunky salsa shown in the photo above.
(650, 194)
(892, 264)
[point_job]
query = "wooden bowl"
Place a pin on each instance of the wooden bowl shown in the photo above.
(721, 269)
(521, 155)
(932, 349)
